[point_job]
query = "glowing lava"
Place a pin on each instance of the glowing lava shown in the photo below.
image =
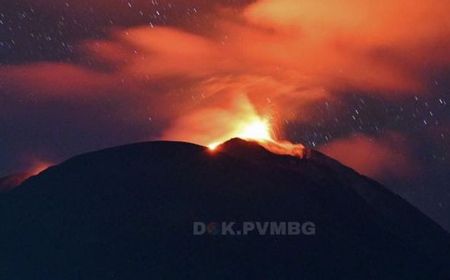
(259, 130)
(236, 119)
(39, 166)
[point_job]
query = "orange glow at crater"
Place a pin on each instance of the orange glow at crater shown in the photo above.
(239, 119)
(258, 130)
(38, 167)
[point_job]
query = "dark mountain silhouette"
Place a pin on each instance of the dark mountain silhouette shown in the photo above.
(128, 213)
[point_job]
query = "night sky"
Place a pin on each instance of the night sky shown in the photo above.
(367, 83)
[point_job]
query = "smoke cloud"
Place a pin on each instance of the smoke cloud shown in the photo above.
(268, 58)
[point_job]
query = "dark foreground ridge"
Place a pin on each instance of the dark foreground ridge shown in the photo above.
(128, 213)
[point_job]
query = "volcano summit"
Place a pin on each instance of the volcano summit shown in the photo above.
(128, 213)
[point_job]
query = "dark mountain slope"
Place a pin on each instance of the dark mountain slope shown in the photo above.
(128, 213)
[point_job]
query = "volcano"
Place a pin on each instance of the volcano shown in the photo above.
(129, 213)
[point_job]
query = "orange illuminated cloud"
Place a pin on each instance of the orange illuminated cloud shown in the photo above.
(269, 60)
(374, 157)
(54, 79)
(214, 125)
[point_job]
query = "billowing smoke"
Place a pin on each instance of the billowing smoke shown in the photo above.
(266, 59)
